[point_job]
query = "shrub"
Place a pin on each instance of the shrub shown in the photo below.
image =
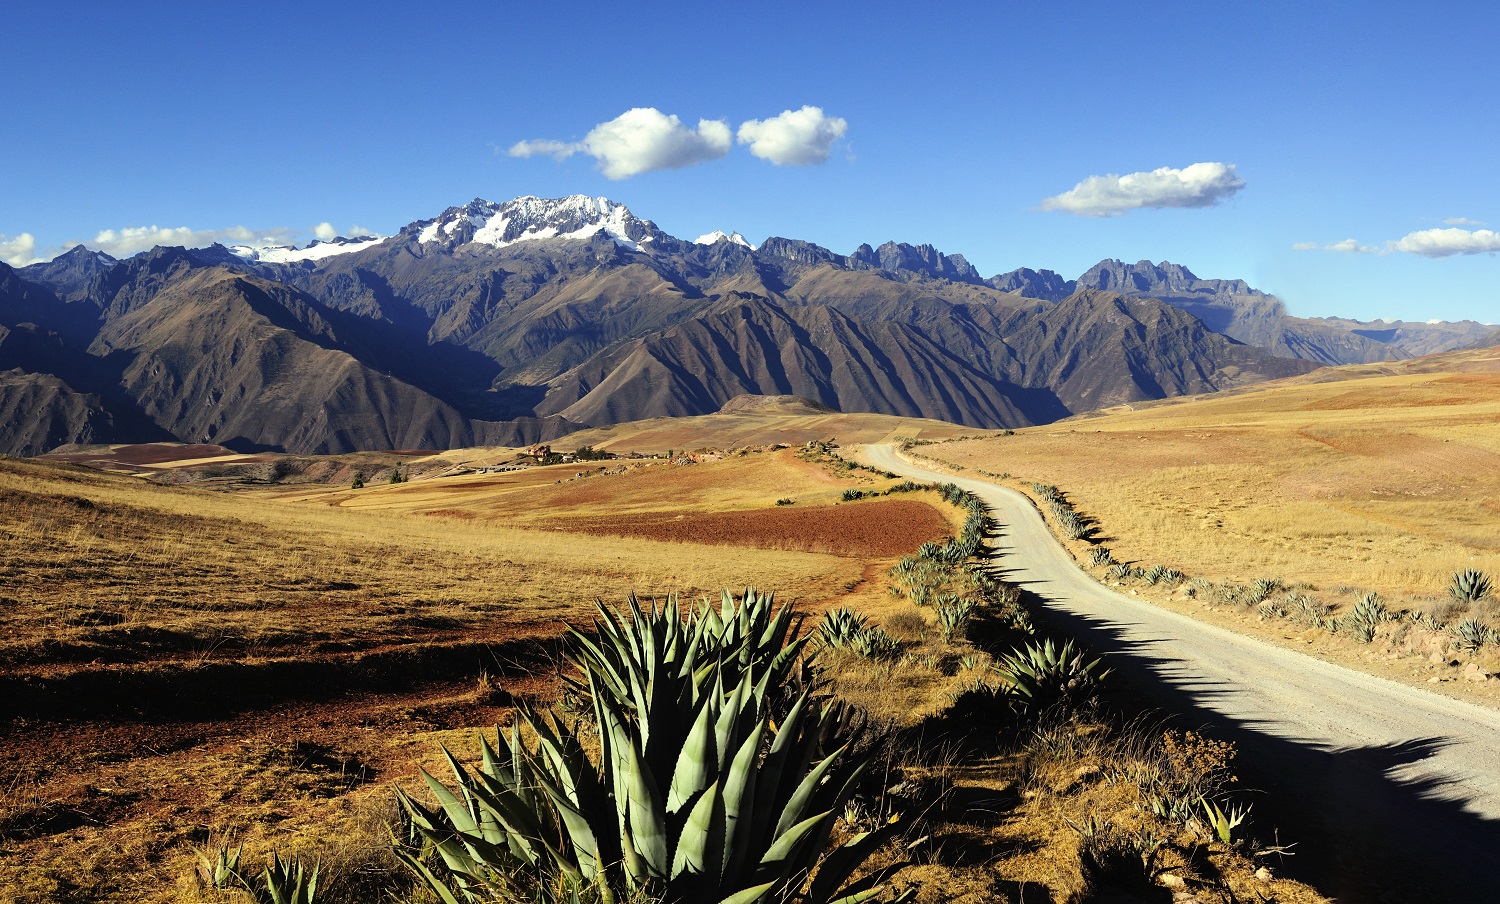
(1100, 556)
(359, 481)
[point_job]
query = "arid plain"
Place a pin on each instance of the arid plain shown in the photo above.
(289, 648)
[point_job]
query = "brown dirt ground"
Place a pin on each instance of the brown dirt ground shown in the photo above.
(879, 528)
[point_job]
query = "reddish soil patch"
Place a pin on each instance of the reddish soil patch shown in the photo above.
(887, 527)
(148, 454)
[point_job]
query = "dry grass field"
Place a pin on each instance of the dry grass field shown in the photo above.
(1346, 481)
(183, 667)
(752, 421)
(1387, 480)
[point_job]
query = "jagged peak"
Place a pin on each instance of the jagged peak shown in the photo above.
(529, 218)
(719, 235)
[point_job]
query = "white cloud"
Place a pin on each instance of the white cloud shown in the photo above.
(357, 232)
(1349, 246)
(324, 231)
(545, 147)
(1199, 185)
(18, 251)
(1447, 242)
(135, 239)
(794, 138)
(1462, 221)
(637, 141)
(1426, 242)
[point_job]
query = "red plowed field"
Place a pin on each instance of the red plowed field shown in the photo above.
(886, 527)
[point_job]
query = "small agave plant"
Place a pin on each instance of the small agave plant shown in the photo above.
(701, 791)
(1040, 676)
(1469, 586)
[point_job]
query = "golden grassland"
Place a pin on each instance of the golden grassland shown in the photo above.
(187, 667)
(761, 425)
(1374, 478)
(1385, 482)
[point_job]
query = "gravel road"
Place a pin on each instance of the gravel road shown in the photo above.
(1391, 792)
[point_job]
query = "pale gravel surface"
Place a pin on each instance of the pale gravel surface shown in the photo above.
(1402, 785)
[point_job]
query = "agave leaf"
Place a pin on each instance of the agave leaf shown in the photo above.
(783, 748)
(841, 863)
(855, 898)
(750, 895)
(457, 811)
(801, 799)
(698, 762)
(647, 817)
(780, 861)
(729, 718)
(739, 798)
(700, 847)
(428, 879)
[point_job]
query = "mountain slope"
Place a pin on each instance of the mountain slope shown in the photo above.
(526, 319)
(749, 345)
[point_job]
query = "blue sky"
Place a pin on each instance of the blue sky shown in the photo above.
(1362, 121)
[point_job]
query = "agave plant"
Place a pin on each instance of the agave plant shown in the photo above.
(222, 870)
(697, 792)
(1224, 820)
(1469, 586)
(1368, 614)
(953, 614)
(1100, 556)
(875, 643)
(1043, 675)
(839, 626)
(1471, 634)
(286, 882)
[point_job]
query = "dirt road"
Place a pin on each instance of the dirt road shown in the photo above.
(1392, 793)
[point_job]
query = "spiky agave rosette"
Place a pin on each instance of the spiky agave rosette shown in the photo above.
(698, 793)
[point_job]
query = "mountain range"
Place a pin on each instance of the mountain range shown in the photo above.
(504, 323)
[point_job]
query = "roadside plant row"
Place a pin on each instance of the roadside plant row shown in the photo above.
(1157, 807)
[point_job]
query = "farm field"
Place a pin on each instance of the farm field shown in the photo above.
(184, 666)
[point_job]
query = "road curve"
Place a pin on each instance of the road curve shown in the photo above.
(1393, 791)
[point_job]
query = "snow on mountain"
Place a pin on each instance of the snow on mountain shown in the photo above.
(718, 235)
(288, 254)
(529, 219)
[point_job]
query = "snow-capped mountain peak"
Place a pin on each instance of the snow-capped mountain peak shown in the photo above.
(718, 235)
(318, 250)
(530, 218)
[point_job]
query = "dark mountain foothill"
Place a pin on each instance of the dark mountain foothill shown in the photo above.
(522, 321)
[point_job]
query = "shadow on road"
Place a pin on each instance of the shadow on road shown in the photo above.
(1363, 831)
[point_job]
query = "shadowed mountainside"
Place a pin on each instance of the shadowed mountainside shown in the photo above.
(522, 321)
